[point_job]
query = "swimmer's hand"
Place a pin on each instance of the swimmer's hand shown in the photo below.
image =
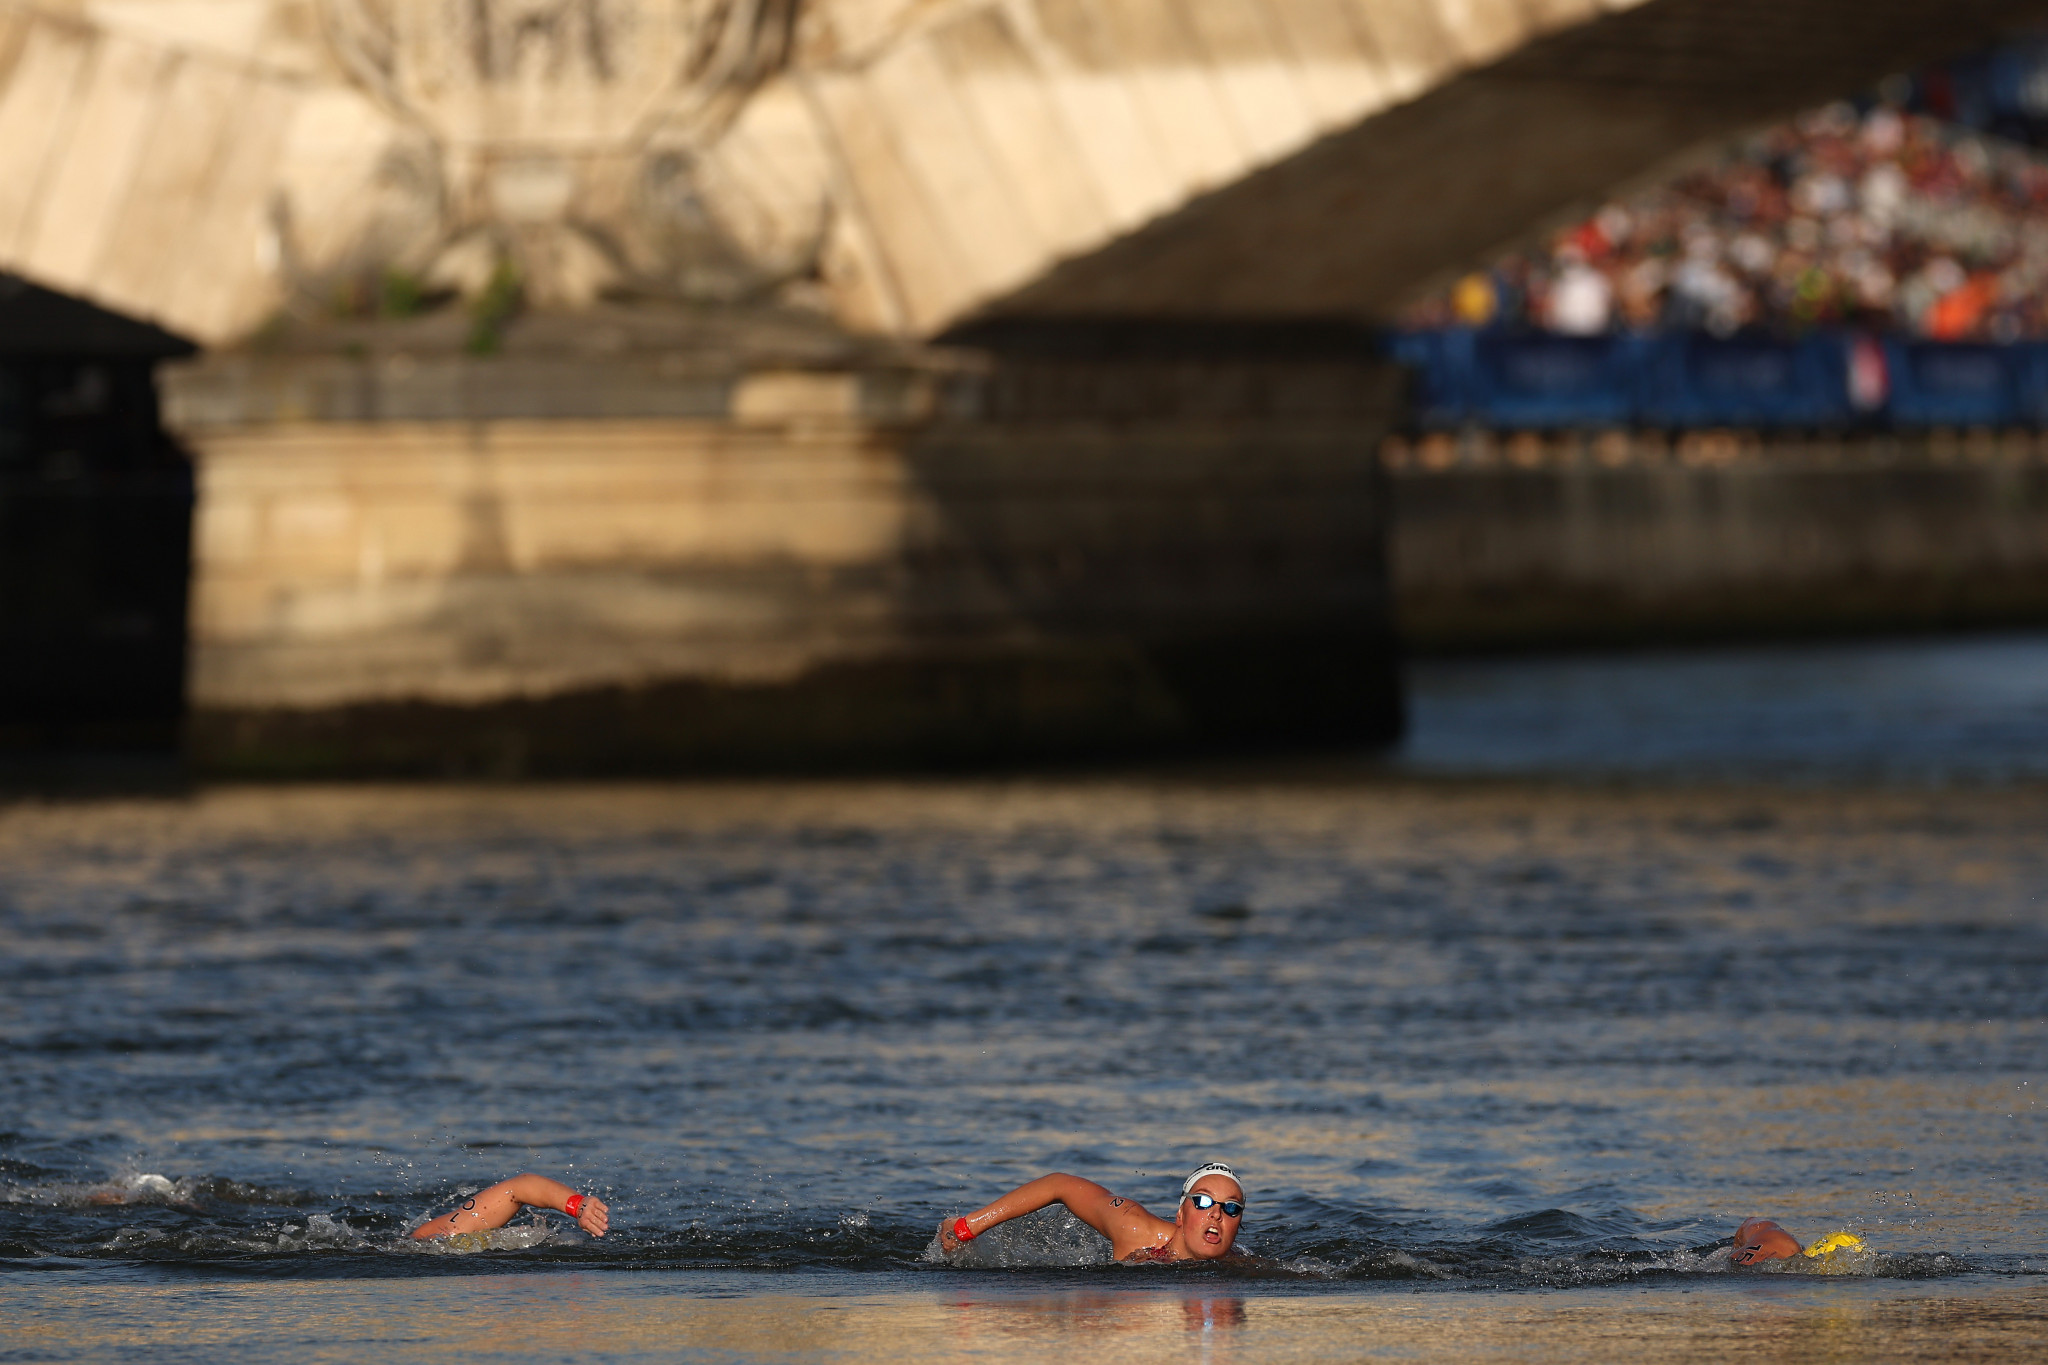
(594, 1217)
(948, 1243)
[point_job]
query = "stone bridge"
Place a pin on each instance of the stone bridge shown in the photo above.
(714, 497)
(908, 164)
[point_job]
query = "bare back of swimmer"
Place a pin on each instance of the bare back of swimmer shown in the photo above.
(1204, 1226)
(498, 1205)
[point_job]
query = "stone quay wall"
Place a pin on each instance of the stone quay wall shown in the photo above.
(1533, 541)
(408, 565)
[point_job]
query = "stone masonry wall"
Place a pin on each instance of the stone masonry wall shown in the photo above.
(1548, 541)
(834, 568)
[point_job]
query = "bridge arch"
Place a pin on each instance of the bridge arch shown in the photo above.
(911, 164)
(1282, 158)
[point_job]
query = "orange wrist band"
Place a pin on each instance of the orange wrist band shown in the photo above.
(573, 1205)
(961, 1232)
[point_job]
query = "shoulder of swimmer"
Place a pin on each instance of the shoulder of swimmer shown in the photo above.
(1115, 1216)
(1132, 1229)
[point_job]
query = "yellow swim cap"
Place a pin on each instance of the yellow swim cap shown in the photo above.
(1838, 1241)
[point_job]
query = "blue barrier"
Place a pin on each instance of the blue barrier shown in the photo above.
(2030, 384)
(1546, 382)
(1698, 380)
(1435, 397)
(1946, 384)
(1542, 381)
(1525, 380)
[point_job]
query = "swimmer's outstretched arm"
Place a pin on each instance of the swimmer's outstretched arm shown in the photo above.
(1123, 1221)
(496, 1206)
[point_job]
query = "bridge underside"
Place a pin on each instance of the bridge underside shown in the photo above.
(910, 164)
(1362, 218)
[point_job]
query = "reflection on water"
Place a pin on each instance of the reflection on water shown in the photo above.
(724, 1318)
(1923, 710)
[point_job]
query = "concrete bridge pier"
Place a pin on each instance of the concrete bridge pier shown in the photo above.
(634, 546)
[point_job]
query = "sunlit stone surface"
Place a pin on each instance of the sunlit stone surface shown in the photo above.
(904, 163)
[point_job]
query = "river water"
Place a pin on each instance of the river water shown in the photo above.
(1503, 1059)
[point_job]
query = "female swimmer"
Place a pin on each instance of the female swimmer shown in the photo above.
(496, 1206)
(1204, 1226)
(1759, 1239)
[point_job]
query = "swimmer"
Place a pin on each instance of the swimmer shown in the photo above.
(146, 1189)
(498, 1205)
(1760, 1239)
(1203, 1228)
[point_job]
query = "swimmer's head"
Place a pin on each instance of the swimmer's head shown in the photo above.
(1212, 1231)
(1205, 1170)
(1759, 1239)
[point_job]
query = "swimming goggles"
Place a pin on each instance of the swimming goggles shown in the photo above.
(1203, 1202)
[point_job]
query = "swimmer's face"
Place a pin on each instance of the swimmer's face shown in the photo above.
(1209, 1233)
(1760, 1239)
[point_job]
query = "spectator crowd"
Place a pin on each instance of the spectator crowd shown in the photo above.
(1876, 218)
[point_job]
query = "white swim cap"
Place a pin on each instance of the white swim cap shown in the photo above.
(1211, 1168)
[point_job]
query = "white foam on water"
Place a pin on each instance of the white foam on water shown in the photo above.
(1051, 1238)
(320, 1233)
(510, 1238)
(135, 1187)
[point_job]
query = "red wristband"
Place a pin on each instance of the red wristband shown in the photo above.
(961, 1232)
(573, 1205)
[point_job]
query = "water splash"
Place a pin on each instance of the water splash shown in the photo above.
(512, 1237)
(1051, 1238)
